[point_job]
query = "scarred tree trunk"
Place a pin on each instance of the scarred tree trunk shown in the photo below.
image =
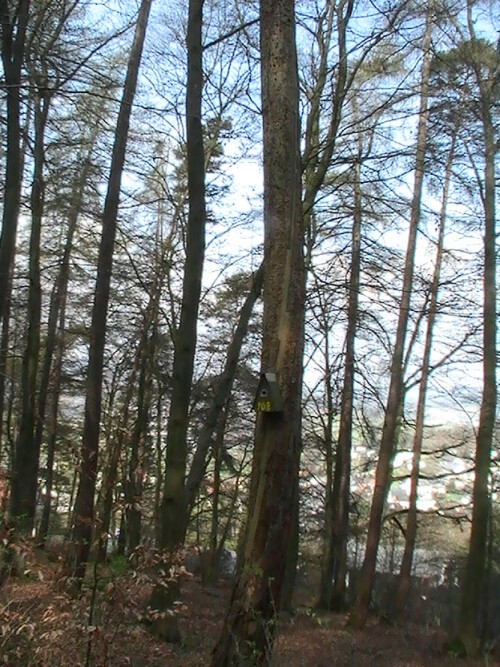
(84, 504)
(249, 629)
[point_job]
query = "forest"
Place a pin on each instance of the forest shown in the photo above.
(248, 341)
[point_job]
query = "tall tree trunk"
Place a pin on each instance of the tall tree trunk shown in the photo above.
(383, 471)
(404, 579)
(159, 462)
(174, 494)
(475, 567)
(84, 504)
(316, 161)
(174, 500)
(342, 477)
(13, 37)
(249, 630)
(27, 454)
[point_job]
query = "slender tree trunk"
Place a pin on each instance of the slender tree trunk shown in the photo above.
(316, 160)
(119, 441)
(249, 630)
(383, 471)
(159, 467)
(342, 478)
(51, 375)
(142, 364)
(4, 366)
(327, 557)
(27, 454)
(174, 501)
(43, 528)
(209, 571)
(58, 297)
(134, 483)
(84, 504)
(13, 38)
(404, 579)
(292, 556)
(475, 566)
(174, 493)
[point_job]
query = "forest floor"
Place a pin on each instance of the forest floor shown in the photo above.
(41, 625)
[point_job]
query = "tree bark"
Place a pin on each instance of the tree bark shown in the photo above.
(249, 629)
(13, 39)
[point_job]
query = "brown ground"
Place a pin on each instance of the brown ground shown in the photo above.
(40, 625)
